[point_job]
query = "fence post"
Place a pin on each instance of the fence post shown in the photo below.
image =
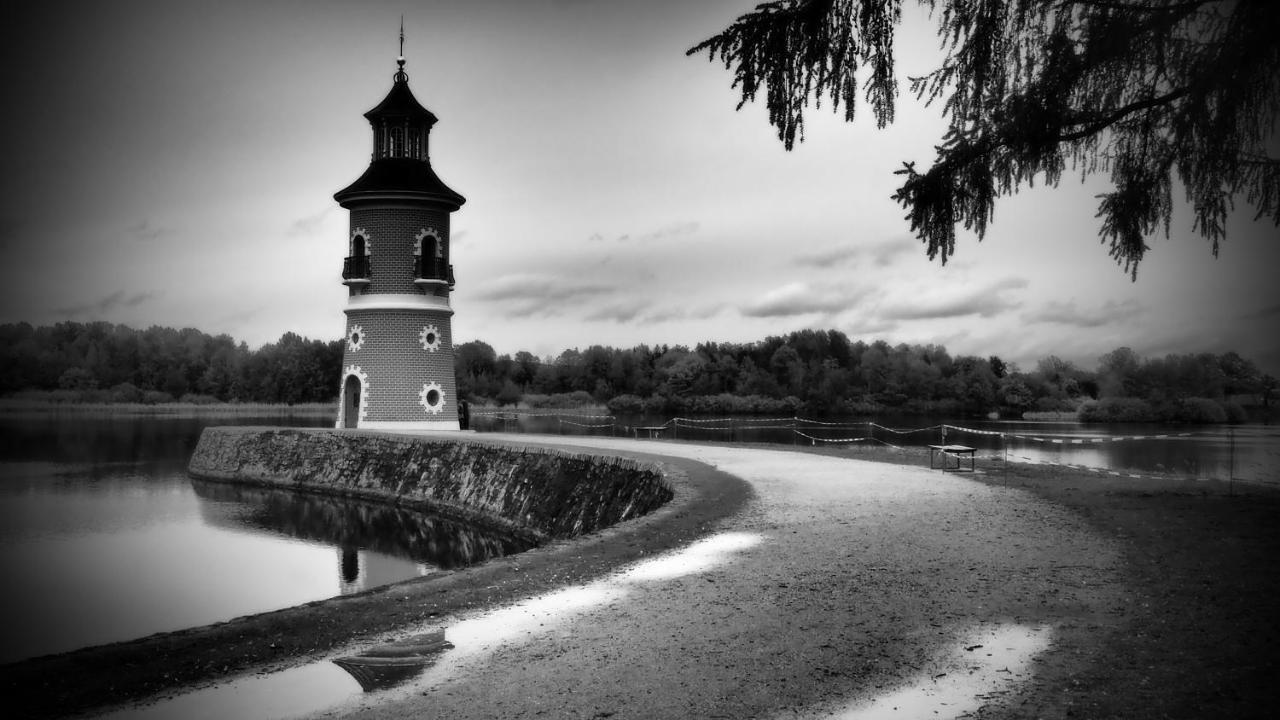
(795, 434)
(1005, 445)
(1231, 463)
(675, 428)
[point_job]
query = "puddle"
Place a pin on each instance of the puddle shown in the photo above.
(289, 693)
(423, 658)
(984, 663)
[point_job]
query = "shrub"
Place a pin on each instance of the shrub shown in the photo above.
(626, 404)
(126, 392)
(156, 397)
(1117, 409)
(198, 399)
(77, 378)
(1236, 413)
(1198, 410)
(1052, 404)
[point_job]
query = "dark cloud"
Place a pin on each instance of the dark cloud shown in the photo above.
(1067, 313)
(146, 232)
(672, 230)
(828, 257)
(803, 299)
(869, 325)
(1266, 312)
(983, 302)
(539, 295)
(879, 254)
(117, 299)
(615, 313)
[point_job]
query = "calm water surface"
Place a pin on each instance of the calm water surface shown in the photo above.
(1245, 452)
(103, 537)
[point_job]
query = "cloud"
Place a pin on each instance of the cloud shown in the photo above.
(117, 299)
(830, 256)
(801, 298)
(873, 325)
(879, 254)
(1266, 312)
(615, 313)
(671, 230)
(145, 232)
(983, 302)
(310, 224)
(1066, 313)
(529, 294)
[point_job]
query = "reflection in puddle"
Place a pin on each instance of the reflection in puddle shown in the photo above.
(288, 693)
(478, 636)
(324, 685)
(985, 662)
(388, 665)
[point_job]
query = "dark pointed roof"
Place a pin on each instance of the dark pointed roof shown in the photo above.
(400, 103)
(402, 177)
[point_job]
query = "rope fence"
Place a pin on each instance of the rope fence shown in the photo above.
(828, 433)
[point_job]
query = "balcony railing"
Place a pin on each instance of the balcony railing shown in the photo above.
(429, 269)
(356, 268)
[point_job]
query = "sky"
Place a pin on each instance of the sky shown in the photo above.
(173, 163)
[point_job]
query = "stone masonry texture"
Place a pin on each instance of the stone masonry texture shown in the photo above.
(534, 492)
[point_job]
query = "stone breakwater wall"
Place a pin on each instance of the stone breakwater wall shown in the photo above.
(533, 492)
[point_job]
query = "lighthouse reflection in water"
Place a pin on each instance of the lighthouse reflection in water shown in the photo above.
(376, 544)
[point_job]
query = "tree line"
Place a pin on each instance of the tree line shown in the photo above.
(814, 372)
(104, 362)
(824, 373)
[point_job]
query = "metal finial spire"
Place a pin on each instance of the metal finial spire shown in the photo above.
(401, 76)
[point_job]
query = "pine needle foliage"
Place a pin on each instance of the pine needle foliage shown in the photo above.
(1151, 92)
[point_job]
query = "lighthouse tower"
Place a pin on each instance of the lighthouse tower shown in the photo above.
(397, 367)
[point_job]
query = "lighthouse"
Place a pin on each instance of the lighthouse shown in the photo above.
(397, 366)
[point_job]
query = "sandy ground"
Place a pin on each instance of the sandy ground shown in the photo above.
(824, 585)
(846, 588)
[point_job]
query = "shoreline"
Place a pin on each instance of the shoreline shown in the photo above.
(1201, 561)
(102, 676)
(17, 407)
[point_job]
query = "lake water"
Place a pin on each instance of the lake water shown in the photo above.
(1245, 452)
(103, 537)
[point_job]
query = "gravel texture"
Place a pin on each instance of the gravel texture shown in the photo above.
(832, 583)
(844, 581)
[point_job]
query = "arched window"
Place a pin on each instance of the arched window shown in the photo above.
(415, 144)
(357, 246)
(397, 142)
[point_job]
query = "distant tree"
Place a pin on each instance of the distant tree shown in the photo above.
(998, 367)
(77, 378)
(1148, 91)
(509, 394)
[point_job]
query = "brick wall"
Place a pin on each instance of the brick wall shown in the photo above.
(392, 356)
(392, 232)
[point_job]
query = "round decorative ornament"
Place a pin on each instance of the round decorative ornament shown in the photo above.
(432, 398)
(430, 338)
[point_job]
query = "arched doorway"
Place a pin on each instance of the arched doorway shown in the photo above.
(351, 402)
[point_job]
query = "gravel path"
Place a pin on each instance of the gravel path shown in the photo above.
(846, 589)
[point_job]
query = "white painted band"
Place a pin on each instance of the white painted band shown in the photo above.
(419, 425)
(398, 301)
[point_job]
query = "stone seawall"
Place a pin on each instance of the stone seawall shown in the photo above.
(533, 492)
